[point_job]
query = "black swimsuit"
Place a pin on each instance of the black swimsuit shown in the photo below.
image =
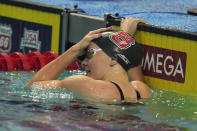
(121, 93)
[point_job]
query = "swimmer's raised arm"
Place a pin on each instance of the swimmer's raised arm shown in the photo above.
(129, 25)
(53, 69)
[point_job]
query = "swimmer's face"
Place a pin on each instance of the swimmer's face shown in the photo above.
(96, 62)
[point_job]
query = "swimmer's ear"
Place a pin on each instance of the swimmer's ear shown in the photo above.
(113, 61)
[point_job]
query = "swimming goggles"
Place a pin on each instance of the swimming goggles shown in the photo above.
(91, 52)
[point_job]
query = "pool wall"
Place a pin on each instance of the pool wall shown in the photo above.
(169, 55)
(169, 61)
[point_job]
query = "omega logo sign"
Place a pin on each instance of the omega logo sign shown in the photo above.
(164, 64)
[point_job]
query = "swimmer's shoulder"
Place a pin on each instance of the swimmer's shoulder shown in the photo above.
(142, 88)
(82, 80)
(91, 87)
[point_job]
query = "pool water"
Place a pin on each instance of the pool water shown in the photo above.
(34, 108)
(167, 13)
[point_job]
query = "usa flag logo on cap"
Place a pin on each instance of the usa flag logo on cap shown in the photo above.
(122, 40)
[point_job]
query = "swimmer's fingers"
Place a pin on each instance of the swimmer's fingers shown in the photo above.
(122, 20)
(96, 33)
(86, 41)
(129, 25)
(100, 30)
(94, 36)
(131, 19)
(140, 21)
(83, 44)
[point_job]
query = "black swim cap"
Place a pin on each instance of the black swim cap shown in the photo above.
(122, 47)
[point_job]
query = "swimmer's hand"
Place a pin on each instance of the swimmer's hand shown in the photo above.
(83, 43)
(129, 25)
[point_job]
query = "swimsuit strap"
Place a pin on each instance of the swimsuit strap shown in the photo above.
(138, 95)
(119, 89)
(121, 93)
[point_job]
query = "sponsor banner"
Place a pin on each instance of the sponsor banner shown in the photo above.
(23, 36)
(5, 38)
(164, 63)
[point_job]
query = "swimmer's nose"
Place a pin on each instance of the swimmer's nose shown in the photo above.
(84, 63)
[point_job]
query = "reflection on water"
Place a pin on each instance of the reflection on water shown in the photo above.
(58, 109)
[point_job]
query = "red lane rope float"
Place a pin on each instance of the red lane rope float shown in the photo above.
(37, 60)
(21, 62)
(50, 56)
(75, 65)
(32, 61)
(6, 62)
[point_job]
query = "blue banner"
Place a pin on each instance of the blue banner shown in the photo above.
(17, 35)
